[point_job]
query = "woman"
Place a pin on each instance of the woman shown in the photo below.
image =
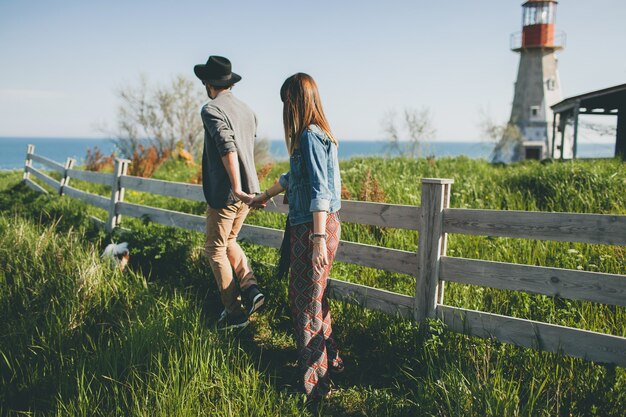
(314, 192)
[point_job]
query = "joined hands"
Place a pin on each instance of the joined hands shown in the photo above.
(258, 201)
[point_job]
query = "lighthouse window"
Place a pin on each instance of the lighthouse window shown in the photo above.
(530, 14)
(534, 111)
(539, 14)
(550, 84)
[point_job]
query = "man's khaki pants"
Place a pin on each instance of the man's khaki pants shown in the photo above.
(225, 254)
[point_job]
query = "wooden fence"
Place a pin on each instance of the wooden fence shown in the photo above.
(431, 267)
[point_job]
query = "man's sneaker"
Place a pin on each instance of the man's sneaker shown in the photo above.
(252, 298)
(336, 366)
(222, 315)
(232, 322)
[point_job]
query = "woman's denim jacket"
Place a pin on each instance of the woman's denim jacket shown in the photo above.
(313, 182)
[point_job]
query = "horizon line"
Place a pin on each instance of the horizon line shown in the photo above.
(486, 141)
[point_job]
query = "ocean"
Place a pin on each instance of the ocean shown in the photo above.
(13, 150)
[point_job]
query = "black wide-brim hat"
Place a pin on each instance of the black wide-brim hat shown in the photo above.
(217, 72)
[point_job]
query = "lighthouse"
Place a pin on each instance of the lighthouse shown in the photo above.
(537, 86)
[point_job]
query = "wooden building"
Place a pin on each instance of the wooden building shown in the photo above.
(609, 101)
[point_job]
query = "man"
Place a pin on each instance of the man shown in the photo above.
(228, 181)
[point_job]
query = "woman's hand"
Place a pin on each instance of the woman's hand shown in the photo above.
(320, 255)
(258, 201)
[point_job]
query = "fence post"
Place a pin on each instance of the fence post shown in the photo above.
(30, 149)
(117, 193)
(69, 164)
(432, 245)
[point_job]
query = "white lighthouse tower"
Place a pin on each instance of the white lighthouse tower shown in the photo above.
(538, 86)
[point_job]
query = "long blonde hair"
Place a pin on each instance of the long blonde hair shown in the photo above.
(301, 107)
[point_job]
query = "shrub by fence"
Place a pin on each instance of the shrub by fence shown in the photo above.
(430, 266)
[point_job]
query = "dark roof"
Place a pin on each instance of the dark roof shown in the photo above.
(607, 99)
(539, 1)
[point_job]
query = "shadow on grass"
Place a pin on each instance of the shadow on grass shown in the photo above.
(392, 366)
(374, 347)
(172, 260)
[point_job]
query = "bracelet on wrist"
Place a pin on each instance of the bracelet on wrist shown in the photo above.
(322, 236)
(267, 195)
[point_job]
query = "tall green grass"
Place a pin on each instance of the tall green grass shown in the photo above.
(79, 338)
(151, 345)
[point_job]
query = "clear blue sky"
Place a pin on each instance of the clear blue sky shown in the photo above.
(62, 60)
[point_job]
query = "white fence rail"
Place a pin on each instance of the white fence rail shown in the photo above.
(430, 265)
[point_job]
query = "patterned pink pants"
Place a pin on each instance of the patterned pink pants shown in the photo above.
(309, 307)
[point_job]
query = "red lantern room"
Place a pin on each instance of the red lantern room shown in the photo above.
(538, 24)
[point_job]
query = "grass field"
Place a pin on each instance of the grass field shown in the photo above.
(78, 338)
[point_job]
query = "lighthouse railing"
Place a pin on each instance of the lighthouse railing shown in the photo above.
(516, 41)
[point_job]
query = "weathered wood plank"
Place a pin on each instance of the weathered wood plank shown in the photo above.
(31, 184)
(584, 344)
(93, 199)
(379, 214)
(49, 162)
(605, 229)
(261, 235)
(372, 298)
(120, 168)
(556, 282)
(163, 216)
(376, 214)
(30, 150)
(98, 222)
(393, 260)
(432, 245)
(363, 212)
(46, 179)
(69, 164)
(166, 188)
(89, 176)
(254, 234)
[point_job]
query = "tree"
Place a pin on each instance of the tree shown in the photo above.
(506, 138)
(166, 118)
(391, 131)
(161, 115)
(509, 147)
(416, 129)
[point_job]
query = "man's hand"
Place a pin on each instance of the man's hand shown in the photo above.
(246, 198)
(259, 201)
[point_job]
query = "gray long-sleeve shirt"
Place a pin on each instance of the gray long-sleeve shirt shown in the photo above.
(229, 126)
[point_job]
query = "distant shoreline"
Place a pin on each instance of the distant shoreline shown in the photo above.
(59, 149)
(38, 138)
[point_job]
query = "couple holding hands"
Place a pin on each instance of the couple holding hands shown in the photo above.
(313, 188)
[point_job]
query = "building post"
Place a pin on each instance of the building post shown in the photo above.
(576, 112)
(117, 193)
(620, 138)
(30, 149)
(553, 134)
(69, 164)
(563, 124)
(432, 246)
